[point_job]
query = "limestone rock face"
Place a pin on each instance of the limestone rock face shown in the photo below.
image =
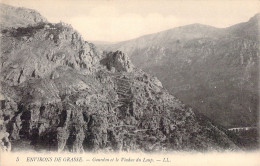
(58, 92)
(6, 110)
(117, 61)
(39, 51)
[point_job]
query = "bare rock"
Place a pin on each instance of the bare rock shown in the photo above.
(117, 61)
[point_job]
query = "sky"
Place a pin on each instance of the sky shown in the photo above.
(119, 20)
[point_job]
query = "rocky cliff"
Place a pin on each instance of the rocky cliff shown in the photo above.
(60, 93)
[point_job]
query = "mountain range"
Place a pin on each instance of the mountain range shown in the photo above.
(60, 93)
(214, 70)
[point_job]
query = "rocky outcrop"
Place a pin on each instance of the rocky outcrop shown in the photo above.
(60, 93)
(65, 47)
(117, 61)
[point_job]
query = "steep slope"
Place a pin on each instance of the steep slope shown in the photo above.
(214, 70)
(60, 93)
(18, 17)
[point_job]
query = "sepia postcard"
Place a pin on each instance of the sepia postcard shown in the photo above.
(120, 82)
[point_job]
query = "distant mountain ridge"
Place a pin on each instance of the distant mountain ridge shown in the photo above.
(212, 69)
(191, 31)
